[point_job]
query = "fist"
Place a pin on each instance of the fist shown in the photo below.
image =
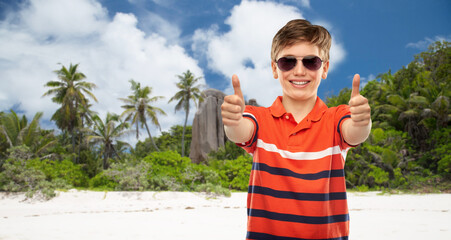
(359, 107)
(233, 107)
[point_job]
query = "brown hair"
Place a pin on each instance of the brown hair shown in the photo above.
(300, 30)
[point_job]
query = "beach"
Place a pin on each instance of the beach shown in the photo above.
(185, 215)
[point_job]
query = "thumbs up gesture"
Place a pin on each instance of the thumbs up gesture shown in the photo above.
(233, 107)
(359, 107)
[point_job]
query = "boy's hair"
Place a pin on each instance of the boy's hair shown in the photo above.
(300, 30)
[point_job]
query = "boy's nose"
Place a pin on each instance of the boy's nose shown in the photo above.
(299, 69)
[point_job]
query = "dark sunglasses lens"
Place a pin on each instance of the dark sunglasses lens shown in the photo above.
(312, 62)
(286, 64)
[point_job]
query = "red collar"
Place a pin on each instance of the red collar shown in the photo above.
(278, 110)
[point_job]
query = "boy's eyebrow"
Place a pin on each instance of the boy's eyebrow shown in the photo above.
(297, 56)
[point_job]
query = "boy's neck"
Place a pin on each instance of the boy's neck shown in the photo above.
(299, 108)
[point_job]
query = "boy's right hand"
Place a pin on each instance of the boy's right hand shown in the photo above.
(233, 107)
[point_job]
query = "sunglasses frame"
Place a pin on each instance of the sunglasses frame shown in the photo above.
(299, 59)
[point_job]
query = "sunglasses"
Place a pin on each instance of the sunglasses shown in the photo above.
(312, 63)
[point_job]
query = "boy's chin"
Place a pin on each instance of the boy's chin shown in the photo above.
(302, 97)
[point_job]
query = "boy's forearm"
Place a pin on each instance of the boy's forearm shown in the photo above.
(355, 135)
(240, 133)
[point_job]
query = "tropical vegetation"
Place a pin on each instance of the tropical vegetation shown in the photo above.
(409, 147)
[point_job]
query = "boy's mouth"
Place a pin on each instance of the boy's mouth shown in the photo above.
(299, 83)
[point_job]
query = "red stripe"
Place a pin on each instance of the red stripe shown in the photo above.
(298, 230)
(305, 208)
(282, 183)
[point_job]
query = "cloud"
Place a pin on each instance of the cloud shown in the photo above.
(63, 18)
(154, 23)
(424, 44)
(245, 49)
(44, 33)
(364, 80)
(305, 3)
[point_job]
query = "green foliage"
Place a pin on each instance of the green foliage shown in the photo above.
(409, 145)
(160, 171)
(234, 174)
(167, 141)
(16, 176)
(380, 176)
(229, 151)
(102, 182)
(169, 163)
(444, 165)
(20, 175)
(90, 162)
(129, 177)
(64, 170)
(15, 130)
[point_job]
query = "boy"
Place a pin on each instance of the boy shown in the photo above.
(297, 188)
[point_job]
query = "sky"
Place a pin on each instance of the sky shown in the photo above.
(153, 41)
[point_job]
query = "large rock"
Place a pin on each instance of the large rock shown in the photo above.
(208, 130)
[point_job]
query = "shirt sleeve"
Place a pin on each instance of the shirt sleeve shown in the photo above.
(250, 145)
(343, 113)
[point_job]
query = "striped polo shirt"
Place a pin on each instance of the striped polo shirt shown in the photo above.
(297, 187)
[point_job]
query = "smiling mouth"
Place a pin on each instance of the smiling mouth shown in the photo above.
(299, 83)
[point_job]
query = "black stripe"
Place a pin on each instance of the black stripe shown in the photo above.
(288, 173)
(297, 195)
(298, 218)
(339, 122)
(339, 132)
(256, 129)
(265, 236)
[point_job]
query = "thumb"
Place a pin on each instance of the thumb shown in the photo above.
(355, 86)
(237, 86)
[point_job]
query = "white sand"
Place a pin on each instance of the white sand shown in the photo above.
(175, 215)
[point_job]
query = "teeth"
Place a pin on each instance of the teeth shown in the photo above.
(299, 82)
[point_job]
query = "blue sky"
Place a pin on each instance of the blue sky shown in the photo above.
(152, 41)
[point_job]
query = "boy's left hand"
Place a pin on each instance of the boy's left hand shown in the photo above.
(359, 107)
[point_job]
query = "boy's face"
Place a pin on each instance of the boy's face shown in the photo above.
(300, 83)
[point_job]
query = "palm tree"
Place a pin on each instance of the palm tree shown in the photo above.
(69, 92)
(408, 112)
(106, 133)
(188, 91)
(138, 108)
(18, 131)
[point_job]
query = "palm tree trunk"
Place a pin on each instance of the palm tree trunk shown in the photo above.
(115, 152)
(73, 144)
(109, 150)
(105, 156)
(183, 133)
(150, 136)
(137, 130)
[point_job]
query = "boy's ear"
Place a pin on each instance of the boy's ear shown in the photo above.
(274, 70)
(325, 70)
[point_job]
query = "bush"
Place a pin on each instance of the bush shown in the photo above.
(102, 182)
(65, 170)
(128, 177)
(234, 174)
(18, 175)
(213, 189)
(170, 171)
(167, 163)
(160, 171)
(380, 176)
